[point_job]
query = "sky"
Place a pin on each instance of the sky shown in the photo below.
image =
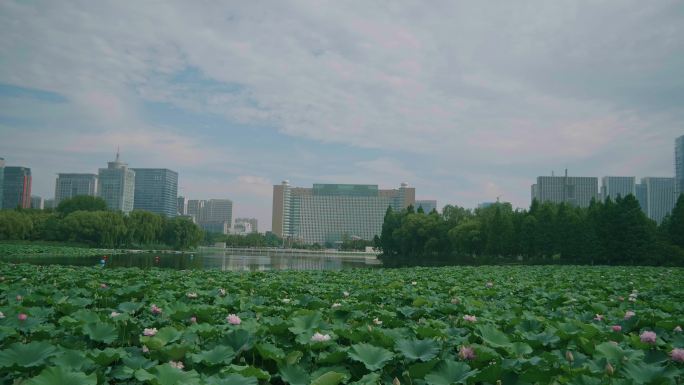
(465, 101)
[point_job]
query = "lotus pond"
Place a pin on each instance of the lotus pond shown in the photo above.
(436, 326)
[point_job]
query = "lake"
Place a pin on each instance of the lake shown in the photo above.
(213, 260)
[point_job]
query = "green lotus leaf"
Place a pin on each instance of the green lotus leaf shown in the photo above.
(250, 371)
(368, 379)
(642, 373)
(423, 350)
(307, 323)
(450, 372)
(27, 355)
(294, 375)
(218, 355)
(239, 340)
(329, 378)
(231, 379)
(270, 351)
(493, 336)
(372, 357)
(168, 375)
(58, 375)
(101, 332)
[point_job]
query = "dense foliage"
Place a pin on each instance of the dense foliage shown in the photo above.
(610, 232)
(37, 249)
(434, 326)
(249, 240)
(81, 221)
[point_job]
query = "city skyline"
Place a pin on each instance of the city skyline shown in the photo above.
(466, 101)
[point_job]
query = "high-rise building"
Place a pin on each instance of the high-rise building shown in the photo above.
(617, 186)
(679, 166)
(2, 178)
(195, 210)
(217, 211)
(156, 190)
(116, 185)
(16, 188)
(36, 202)
(641, 196)
(182, 206)
(575, 190)
(327, 213)
(427, 205)
(71, 185)
(247, 225)
(660, 197)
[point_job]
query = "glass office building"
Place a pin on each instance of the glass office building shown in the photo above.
(116, 185)
(71, 185)
(329, 213)
(156, 190)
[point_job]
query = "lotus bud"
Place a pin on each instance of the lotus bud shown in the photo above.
(609, 369)
(396, 381)
(498, 382)
(569, 356)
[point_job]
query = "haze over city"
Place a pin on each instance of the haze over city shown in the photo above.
(465, 102)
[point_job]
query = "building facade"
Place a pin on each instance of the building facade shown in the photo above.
(116, 185)
(679, 166)
(195, 209)
(642, 196)
(617, 186)
(246, 225)
(16, 187)
(2, 178)
(427, 205)
(328, 213)
(182, 206)
(574, 190)
(156, 190)
(660, 197)
(37, 202)
(71, 185)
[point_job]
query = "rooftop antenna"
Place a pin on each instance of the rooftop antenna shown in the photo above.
(117, 153)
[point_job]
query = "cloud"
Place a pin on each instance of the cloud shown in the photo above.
(462, 99)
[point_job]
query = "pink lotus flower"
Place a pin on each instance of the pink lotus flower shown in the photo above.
(489, 284)
(469, 318)
(114, 314)
(103, 286)
(318, 337)
(677, 329)
(176, 364)
(22, 317)
(150, 332)
(455, 301)
(233, 319)
(648, 337)
(191, 295)
(629, 314)
(677, 355)
(599, 317)
(616, 328)
(2, 315)
(569, 356)
(621, 298)
(155, 310)
(145, 349)
(414, 283)
(222, 292)
(19, 298)
(193, 319)
(609, 369)
(336, 305)
(377, 321)
(466, 353)
(345, 293)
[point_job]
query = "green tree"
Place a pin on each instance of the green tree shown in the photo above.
(81, 203)
(674, 225)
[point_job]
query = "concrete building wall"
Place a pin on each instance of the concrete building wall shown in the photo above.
(71, 185)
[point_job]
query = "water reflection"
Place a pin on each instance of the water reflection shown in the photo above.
(223, 261)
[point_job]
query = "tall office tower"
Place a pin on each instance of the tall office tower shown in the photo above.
(195, 209)
(617, 186)
(327, 213)
(182, 206)
(427, 205)
(116, 185)
(156, 190)
(575, 190)
(248, 225)
(642, 197)
(660, 197)
(2, 178)
(679, 166)
(36, 202)
(71, 185)
(16, 188)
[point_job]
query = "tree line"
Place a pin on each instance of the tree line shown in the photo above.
(86, 220)
(612, 232)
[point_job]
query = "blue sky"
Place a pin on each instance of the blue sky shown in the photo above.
(466, 101)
